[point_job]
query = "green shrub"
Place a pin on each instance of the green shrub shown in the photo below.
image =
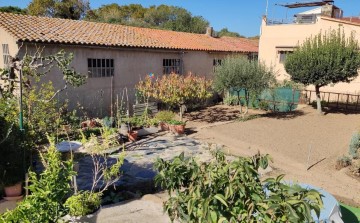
(264, 105)
(165, 116)
(11, 148)
(83, 203)
(231, 100)
(48, 191)
(224, 191)
(354, 145)
(175, 122)
(343, 161)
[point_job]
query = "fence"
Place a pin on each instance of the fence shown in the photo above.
(277, 99)
(333, 99)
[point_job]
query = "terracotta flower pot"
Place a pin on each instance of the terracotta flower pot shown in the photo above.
(132, 135)
(14, 190)
(164, 126)
(178, 129)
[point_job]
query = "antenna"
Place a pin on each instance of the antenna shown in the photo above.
(267, 6)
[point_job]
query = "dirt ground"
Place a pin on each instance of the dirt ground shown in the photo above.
(303, 144)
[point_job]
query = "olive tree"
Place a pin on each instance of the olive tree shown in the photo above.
(324, 59)
(238, 73)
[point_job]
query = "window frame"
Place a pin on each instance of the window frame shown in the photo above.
(6, 54)
(282, 54)
(98, 68)
(172, 66)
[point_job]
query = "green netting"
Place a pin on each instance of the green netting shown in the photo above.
(277, 99)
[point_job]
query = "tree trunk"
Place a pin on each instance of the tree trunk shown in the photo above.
(247, 96)
(181, 112)
(239, 101)
(318, 99)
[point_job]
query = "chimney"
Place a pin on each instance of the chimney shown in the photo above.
(209, 31)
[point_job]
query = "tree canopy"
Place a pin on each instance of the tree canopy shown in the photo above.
(162, 16)
(13, 9)
(226, 32)
(324, 59)
(238, 73)
(67, 9)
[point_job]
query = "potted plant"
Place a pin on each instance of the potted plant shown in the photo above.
(83, 206)
(11, 160)
(12, 183)
(163, 117)
(177, 127)
(132, 135)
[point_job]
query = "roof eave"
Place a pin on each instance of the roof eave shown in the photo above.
(130, 46)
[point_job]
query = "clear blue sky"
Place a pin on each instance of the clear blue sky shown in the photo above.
(242, 16)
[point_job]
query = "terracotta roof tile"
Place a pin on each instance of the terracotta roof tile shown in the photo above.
(54, 30)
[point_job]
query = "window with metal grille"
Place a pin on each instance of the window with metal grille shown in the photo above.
(253, 56)
(100, 67)
(216, 62)
(172, 66)
(6, 55)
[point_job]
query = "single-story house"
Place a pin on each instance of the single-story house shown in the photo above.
(115, 57)
(278, 38)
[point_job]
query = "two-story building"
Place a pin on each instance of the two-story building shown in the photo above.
(278, 38)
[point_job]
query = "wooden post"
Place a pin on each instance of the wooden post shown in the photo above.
(310, 98)
(27, 184)
(337, 103)
(357, 102)
(328, 99)
(347, 101)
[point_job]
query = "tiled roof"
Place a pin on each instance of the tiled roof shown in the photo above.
(54, 30)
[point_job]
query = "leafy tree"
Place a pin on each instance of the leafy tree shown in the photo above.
(39, 105)
(114, 13)
(67, 9)
(254, 37)
(324, 59)
(175, 89)
(238, 73)
(226, 32)
(13, 9)
(231, 191)
(161, 17)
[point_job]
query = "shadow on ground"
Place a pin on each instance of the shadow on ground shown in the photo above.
(348, 216)
(223, 114)
(331, 110)
(284, 115)
(213, 114)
